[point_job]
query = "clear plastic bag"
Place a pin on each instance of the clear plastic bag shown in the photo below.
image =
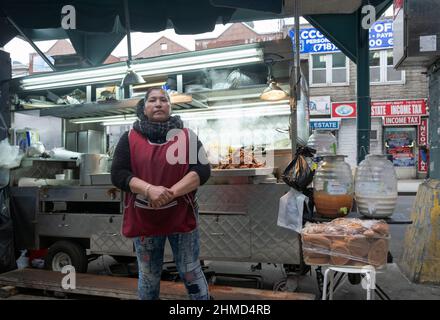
(10, 156)
(290, 211)
(346, 242)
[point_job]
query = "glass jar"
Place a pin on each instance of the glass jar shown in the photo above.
(323, 141)
(333, 187)
(376, 187)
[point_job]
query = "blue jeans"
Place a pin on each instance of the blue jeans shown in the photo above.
(185, 246)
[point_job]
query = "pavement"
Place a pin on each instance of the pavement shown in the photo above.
(408, 186)
(391, 279)
(271, 276)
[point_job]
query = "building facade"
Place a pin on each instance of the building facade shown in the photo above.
(399, 99)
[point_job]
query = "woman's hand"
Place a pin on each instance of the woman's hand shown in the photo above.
(159, 196)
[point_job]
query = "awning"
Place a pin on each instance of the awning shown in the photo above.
(100, 24)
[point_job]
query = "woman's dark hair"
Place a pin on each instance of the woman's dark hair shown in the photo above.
(141, 104)
(156, 88)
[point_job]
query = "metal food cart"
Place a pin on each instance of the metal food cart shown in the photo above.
(238, 209)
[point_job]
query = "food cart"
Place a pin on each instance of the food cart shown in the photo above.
(80, 221)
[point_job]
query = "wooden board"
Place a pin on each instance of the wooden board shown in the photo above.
(126, 288)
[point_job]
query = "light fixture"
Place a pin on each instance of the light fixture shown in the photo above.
(259, 111)
(273, 92)
(131, 77)
(148, 67)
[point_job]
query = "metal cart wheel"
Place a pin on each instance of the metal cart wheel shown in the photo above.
(63, 253)
(289, 284)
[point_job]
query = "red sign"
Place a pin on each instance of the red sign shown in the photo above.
(398, 108)
(344, 110)
(398, 4)
(423, 133)
(422, 166)
(401, 121)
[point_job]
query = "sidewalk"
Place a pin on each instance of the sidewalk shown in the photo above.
(408, 187)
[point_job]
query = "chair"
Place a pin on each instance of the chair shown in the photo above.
(369, 280)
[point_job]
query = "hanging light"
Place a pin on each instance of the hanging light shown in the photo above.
(273, 92)
(131, 77)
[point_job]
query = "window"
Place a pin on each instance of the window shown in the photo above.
(163, 46)
(328, 69)
(381, 68)
(39, 65)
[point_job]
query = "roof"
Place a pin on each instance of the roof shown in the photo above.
(162, 39)
(60, 47)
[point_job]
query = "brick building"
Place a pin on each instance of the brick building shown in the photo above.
(399, 108)
(236, 34)
(63, 55)
(161, 46)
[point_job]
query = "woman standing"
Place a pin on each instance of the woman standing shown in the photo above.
(160, 200)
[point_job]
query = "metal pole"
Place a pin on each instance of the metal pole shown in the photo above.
(434, 121)
(363, 91)
(40, 53)
(295, 92)
(127, 28)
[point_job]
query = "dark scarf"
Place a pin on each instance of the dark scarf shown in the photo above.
(155, 131)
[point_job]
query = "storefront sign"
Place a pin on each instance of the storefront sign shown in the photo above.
(324, 125)
(320, 105)
(423, 133)
(398, 108)
(423, 161)
(311, 40)
(344, 110)
(401, 121)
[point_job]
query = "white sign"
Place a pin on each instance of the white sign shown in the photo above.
(428, 43)
(320, 105)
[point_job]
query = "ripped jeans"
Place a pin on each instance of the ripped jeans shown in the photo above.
(185, 246)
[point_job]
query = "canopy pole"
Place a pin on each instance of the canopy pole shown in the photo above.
(40, 53)
(127, 27)
(363, 91)
(295, 92)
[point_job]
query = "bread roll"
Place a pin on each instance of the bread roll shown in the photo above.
(316, 242)
(358, 246)
(315, 258)
(381, 228)
(340, 254)
(377, 256)
(369, 233)
(356, 263)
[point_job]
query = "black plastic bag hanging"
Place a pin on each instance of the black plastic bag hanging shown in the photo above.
(299, 173)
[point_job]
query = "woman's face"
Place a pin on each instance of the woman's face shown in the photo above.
(157, 107)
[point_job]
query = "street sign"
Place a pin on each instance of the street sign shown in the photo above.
(324, 125)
